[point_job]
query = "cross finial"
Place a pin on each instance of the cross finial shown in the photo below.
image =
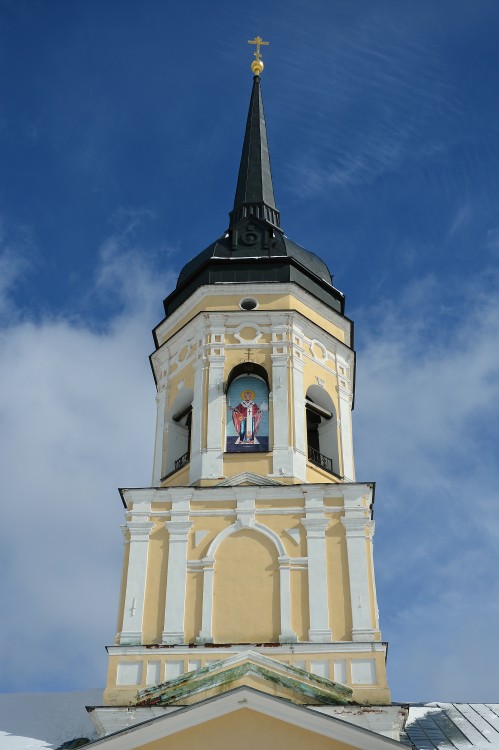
(257, 64)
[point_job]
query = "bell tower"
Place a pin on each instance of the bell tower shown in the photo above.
(253, 546)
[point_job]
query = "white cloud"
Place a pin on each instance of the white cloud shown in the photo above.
(77, 421)
(426, 430)
(77, 413)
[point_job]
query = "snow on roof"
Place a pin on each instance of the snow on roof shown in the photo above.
(43, 721)
(453, 726)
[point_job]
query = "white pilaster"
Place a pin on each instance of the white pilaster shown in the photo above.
(358, 530)
(287, 634)
(345, 402)
(315, 524)
(206, 633)
(299, 423)
(161, 403)
(195, 472)
(178, 530)
(281, 451)
(212, 459)
(136, 531)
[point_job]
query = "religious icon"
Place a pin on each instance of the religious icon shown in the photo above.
(246, 417)
(249, 418)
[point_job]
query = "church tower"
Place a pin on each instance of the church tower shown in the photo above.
(249, 559)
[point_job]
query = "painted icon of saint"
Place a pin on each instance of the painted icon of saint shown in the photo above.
(246, 417)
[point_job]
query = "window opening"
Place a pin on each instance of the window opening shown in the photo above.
(322, 445)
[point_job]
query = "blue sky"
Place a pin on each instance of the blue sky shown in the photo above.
(121, 126)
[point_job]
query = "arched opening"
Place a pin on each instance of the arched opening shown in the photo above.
(247, 409)
(248, 368)
(322, 430)
(246, 603)
(179, 431)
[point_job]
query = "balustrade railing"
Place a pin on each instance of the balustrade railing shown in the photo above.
(182, 461)
(317, 458)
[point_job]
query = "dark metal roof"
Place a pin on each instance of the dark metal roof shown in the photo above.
(254, 191)
(254, 248)
(283, 247)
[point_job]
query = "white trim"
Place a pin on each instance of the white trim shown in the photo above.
(299, 425)
(247, 477)
(138, 531)
(212, 460)
(195, 466)
(161, 401)
(246, 519)
(358, 576)
(225, 290)
(235, 527)
(345, 420)
(337, 490)
(315, 524)
(248, 698)
(178, 534)
(334, 647)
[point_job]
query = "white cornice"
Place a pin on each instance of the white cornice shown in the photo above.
(247, 698)
(225, 290)
(351, 492)
(306, 647)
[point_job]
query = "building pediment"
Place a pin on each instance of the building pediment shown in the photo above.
(247, 669)
(247, 477)
(249, 718)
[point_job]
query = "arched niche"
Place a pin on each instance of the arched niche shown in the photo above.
(179, 431)
(248, 368)
(247, 403)
(322, 429)
(246, 589)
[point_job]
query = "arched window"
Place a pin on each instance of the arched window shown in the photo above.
(179, 431)
(322, 430)
(247, 410)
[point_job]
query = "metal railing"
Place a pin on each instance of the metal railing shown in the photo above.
(320, 460)
(182, 461)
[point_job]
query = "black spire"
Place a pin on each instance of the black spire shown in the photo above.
(254, 192)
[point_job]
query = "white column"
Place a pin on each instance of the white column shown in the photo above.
(345, 415)
(358, 573)
(159, 442)
(212, 460)
(195, 472)
(281, 450)
(206, 633)
(137, 532)
(318, 600)
(178, 531)
(299, 423)
(287, 634)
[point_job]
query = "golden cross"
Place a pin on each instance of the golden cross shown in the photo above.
(259, 42)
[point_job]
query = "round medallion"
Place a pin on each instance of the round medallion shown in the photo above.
(249, 238)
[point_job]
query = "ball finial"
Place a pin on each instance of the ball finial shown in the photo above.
(257, 64)
(257, 67)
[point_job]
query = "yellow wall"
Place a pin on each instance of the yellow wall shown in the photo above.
(246, 590)
(246, 730)
(215, 302)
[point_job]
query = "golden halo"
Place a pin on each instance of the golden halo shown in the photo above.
(247, 390)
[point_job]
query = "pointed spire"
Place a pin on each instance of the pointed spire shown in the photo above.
(254, 192)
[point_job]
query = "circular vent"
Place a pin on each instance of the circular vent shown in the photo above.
(248, 303)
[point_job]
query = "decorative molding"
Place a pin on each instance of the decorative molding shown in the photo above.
(294, 534)
(247, 477)
(199, 536)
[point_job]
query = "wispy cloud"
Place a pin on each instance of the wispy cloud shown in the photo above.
(77, 421)
(17, 253)
(381, 98)
(426, 430)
